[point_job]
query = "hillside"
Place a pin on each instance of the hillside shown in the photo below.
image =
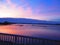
(26, 21)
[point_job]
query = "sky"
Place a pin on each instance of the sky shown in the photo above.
(32, 9)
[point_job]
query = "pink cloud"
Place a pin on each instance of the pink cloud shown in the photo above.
(20, 12)
(8, 1)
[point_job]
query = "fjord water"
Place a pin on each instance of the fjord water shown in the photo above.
(33, 30)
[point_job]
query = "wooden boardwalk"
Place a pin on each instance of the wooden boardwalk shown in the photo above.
(11, 39)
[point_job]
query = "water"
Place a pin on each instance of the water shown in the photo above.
(34, 30)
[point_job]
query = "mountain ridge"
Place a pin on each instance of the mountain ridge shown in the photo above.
(27, 21)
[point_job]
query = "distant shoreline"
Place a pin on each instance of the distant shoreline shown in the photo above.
(5, 23)
(9, 23)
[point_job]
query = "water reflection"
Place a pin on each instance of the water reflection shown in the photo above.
(44, 31)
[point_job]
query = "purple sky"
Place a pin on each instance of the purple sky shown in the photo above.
(34, 9)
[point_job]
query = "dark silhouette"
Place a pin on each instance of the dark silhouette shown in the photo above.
(11, 39)
(6, 23)
(28, 21)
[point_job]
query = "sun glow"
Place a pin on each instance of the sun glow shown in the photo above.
(8, 11)
(5, 13)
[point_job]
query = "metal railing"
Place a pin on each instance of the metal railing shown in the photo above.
(26, 40)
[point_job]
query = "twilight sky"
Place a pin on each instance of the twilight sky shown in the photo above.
(34, 9)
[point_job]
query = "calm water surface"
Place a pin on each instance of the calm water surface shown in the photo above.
(35, 30)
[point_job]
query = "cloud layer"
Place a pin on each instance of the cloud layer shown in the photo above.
(35, 9)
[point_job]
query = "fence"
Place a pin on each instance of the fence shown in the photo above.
(26, 40)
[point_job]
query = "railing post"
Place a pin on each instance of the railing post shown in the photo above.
(15, 39)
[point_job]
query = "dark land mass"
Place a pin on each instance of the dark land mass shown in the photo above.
(5, 21)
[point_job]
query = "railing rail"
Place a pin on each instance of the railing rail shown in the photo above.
(26, 40)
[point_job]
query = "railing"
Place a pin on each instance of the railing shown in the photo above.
(26, 40)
